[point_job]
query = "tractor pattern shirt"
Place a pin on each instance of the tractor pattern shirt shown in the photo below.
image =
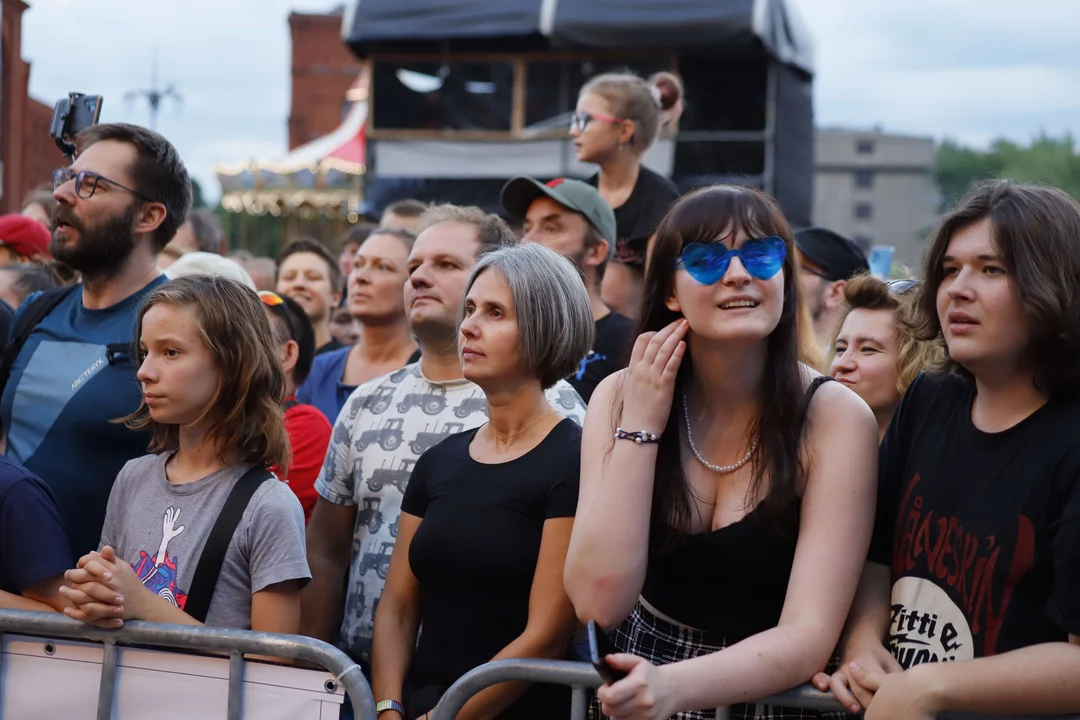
(385, 425)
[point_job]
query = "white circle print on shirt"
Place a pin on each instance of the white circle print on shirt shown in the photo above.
(927, 626)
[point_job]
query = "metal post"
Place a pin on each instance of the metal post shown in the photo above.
(107, 687)
(236, 686)
(579, 703)
(769, 171)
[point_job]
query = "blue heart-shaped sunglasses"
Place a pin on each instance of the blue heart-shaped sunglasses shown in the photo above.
(707, 262)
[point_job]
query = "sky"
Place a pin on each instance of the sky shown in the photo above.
(971, 71)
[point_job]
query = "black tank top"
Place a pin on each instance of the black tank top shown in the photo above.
(730, 581)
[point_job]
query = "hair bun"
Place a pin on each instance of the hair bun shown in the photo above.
(667, 89)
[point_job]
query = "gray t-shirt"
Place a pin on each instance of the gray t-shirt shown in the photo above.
(161, 528)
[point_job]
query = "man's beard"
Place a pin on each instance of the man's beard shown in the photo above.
(100, 251)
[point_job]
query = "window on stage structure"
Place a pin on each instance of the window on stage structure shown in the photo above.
(443, 96)
(723, 94)
(552, 86)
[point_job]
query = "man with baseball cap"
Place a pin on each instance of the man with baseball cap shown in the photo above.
(22, 239)
(569, 216)
(827, 260)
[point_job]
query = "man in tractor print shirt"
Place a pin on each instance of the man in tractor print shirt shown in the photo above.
(388, 423)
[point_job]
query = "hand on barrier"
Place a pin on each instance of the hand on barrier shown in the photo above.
(644, 694)
(874, 659)
(907, 695)
(650, 378)
(96, 589)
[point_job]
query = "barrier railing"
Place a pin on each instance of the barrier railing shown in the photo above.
(207, 639)
(581, 676)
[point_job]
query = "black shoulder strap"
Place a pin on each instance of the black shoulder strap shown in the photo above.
(207, 571)
(30, 318)
(809, 398)
(290, 404)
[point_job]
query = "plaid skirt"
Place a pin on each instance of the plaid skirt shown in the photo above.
(661, 642)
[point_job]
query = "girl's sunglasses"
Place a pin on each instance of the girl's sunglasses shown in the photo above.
(581, 120)
(708, 262)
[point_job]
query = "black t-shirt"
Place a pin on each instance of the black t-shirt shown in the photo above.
(981, 530)
(33, 545)
(611, 352)
(637, 218)
(475, 555)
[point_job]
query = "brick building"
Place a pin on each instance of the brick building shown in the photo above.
(323, 69)
(27, 152)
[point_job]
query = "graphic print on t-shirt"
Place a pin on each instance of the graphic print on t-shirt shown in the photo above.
(158, 572)
(926, 625)
(960, 605)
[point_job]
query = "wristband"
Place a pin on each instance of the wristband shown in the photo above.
(638, 436)
(385, 705)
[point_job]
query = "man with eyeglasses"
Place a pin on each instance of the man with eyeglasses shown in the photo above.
(826, 261)
(119, 203)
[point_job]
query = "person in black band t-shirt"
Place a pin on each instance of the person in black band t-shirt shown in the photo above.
(570, 217)
(617, 119)
(978, 526)
(487, 514)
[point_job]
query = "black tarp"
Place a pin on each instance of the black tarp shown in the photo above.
(724, 26)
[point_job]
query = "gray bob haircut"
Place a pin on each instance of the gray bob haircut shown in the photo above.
(554, 318)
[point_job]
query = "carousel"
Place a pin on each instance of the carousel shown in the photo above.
(316, 190)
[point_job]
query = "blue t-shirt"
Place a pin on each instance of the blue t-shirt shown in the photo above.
(33, 546)
(323, 387)
(64, 393)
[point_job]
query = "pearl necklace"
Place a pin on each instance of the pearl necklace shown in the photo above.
(722, 469)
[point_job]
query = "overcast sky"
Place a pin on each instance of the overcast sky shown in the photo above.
(968, 70)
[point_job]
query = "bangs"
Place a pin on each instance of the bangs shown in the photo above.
(720, 213)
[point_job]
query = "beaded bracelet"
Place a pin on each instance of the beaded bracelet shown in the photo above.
(638, 436)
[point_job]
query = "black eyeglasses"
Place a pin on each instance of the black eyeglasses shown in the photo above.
(86, 183)
(902, 287)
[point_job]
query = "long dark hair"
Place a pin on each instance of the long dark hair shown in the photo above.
(705, 216)
(1036, 229)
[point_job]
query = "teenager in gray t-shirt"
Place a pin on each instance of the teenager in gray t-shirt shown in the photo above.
(160, 528)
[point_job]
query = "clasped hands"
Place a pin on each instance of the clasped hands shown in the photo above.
(103, 590)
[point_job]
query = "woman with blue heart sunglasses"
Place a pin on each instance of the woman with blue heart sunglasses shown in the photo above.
(697, 481)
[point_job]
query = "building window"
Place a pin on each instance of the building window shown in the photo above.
(864, 211)
(864, 147)
(864, 178)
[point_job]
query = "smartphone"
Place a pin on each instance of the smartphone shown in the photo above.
(72, 115)
(600, 646)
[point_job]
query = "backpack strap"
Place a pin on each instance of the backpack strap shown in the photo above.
(208, 569)
(30, 318)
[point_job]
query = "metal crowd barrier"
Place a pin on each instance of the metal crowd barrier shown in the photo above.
(190, 637)
(581, 676)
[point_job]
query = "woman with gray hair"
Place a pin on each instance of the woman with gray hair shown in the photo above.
(487, 515)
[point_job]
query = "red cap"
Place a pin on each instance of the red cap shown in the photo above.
(24, 236)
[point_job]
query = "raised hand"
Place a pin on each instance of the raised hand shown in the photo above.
(650, 378)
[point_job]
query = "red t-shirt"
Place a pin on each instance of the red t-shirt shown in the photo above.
(309, 436)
